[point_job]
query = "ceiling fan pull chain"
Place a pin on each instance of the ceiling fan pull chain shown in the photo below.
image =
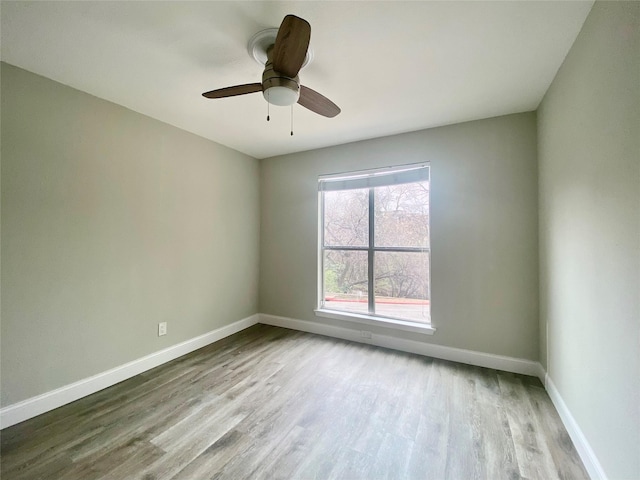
(292, 119)
(268, 105)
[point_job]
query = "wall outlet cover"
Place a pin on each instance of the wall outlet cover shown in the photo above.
(162, 329)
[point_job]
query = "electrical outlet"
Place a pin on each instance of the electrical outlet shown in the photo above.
(162, 329)
(365, 334)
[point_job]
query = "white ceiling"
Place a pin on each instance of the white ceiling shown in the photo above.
(391, 66)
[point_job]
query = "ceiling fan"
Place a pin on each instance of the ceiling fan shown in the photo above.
(284, 58)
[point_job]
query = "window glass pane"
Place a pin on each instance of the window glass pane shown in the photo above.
(345, 280)
(346, 218)
(402, 215)
(402, 285)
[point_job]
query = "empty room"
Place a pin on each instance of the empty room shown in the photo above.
(320, 240)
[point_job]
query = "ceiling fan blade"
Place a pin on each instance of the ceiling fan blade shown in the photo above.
(292, 43)
(233, 91)
(317, 103)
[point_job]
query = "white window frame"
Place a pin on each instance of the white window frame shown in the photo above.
(361, 180)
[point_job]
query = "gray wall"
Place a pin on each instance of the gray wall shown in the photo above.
(111, 223)
(483, 223)
(589, 154)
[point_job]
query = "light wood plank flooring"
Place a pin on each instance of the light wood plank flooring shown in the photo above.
(273, 403)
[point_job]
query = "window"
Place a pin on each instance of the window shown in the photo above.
(374, 244)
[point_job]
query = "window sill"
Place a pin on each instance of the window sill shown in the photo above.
(379, 321)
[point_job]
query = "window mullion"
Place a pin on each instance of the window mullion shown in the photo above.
(370, 265)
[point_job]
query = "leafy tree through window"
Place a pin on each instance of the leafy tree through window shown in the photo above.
(375, 243)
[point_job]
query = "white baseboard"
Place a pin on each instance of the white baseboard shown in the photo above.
(470, 357)
(542, 374)
(585, 451)
(34, 406)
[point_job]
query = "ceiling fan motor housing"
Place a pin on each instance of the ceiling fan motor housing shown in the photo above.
(278, 89)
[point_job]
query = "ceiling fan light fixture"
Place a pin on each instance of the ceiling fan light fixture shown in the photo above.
(281, 96)
(279, 90)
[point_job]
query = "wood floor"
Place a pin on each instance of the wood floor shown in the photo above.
(271, 403)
